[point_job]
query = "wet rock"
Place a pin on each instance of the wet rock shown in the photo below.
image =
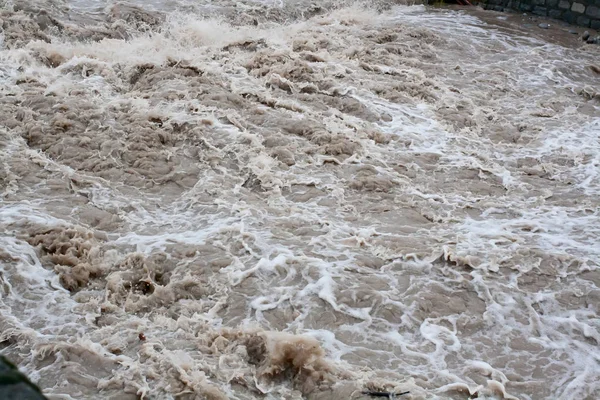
(585, 36)
(595, 40)
(544, 26)
(14, 385)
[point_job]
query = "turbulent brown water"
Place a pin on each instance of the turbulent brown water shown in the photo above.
(286, 200)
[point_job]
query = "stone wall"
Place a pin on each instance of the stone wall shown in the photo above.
(578, 12)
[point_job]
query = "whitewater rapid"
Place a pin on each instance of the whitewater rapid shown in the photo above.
(287, 200)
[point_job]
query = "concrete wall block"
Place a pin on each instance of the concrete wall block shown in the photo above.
(581, 12)
(583, 21)
(570, 17)
(564, 4)
(593, 12)
(578, 8)
(525, 7)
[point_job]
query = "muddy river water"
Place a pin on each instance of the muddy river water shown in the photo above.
(291, 199)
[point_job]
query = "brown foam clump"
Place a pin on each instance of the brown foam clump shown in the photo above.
(19, 29)
(252, 359)
(137, 282)
(329, 143)
(280, 355)
(135, 16)
(286, 350)
(71, 252)
(372, 184)
(141, 284)
(27, 23)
